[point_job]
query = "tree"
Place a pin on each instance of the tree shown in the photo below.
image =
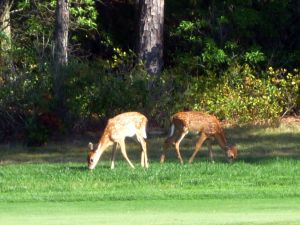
(5, 29)
(60, 50)
(151, 23)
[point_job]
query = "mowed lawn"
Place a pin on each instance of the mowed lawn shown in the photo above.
(155, 212)
(51, 184)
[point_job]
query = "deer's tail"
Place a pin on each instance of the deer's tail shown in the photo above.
(172, 129)
(144, 133)
(144, 130)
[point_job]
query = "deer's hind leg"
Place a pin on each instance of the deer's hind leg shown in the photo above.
(124, 153)
(177, 143)
(113, 155)
(144, 157)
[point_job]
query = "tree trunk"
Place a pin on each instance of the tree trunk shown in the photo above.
(5, 30)
(60, 51)
(61, 45)
(150, 47)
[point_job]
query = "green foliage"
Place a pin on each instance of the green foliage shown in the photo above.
(38, 23)
(288, 84)
(189, 30)
(253, 24)
(223, 71)
(122, 61)
(18, 119)
(95, 90)
(242, 97)
(254, 57)
(216, 57)
(25, 94)
(84, 13)
(212, 56)
(21, 81)
(37, 133)
(26, 73)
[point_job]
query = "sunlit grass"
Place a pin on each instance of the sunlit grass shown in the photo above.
(268, 167)
(274, 178)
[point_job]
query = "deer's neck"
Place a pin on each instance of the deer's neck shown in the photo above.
(99, 147)
(104, 143)
(222, 141)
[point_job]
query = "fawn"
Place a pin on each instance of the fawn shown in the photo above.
(208, 127)
(117, 129)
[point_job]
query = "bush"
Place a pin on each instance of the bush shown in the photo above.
(25, 94)
(94, 89)
(241, 96)
(234, 89)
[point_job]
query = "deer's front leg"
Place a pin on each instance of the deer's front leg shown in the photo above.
(199, 143)
(177, 143)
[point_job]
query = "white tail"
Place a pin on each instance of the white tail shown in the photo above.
(144, 133)
(207, 125)
(117, 129)
(172, 130)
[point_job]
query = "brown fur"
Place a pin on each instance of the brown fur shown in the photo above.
(117, 129)
(208, 127)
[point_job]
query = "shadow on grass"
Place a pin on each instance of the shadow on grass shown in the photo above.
(255, 144)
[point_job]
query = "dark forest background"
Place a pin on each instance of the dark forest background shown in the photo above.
(236, 59)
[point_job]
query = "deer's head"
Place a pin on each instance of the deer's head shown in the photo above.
(231, 152)
(93, 156)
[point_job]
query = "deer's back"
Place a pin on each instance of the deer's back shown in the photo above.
(125, 125)
(197, 122)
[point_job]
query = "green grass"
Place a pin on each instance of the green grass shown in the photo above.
(261, 187)
(158, 212)
(73, 182)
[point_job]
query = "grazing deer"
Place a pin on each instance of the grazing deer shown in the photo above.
(208, 127)
(117, 129)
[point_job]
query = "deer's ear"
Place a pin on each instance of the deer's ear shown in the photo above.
(91, 146)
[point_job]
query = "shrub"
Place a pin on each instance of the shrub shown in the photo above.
(96, 90)
(242, 96)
